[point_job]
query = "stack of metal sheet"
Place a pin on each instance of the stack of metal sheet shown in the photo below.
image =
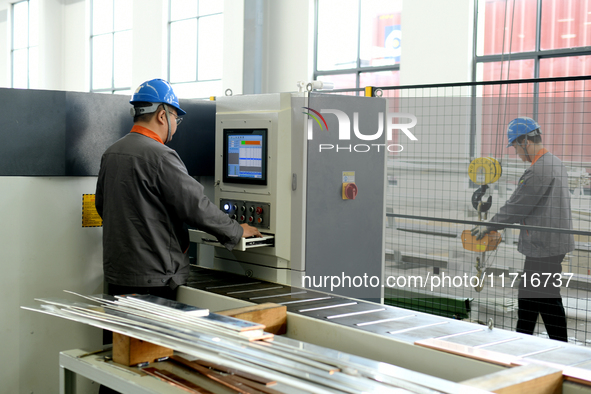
(295, 366)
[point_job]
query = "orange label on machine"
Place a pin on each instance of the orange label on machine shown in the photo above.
(90, 217)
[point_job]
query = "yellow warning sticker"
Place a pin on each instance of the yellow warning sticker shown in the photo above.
(349, 176)
(90, 217)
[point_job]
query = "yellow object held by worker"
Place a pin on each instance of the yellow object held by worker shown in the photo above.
(489, 242)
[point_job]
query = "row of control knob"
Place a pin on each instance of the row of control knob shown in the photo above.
(253, 213)
(227, 208)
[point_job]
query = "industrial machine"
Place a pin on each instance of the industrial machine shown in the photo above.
(308, 170)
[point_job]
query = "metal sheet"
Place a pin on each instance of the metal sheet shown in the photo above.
(565, 356)
(349, 306)
(522, 347)
(483, 337)
(434, 330)
(410, 326)
(401, 324)
(240, 291)
(314, 304)
(303, 301)
(584, 365)
(277, 297)
(377, 318)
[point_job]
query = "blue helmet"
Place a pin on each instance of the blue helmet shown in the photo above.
(522, 126)
(156, 91)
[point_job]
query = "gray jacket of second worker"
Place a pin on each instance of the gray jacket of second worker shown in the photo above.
(145, 197)
(542, 198)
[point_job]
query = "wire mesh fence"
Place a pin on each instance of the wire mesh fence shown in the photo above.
(429, 198)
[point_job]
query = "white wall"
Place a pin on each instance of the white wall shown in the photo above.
(44, 250)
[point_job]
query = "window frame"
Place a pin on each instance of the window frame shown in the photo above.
(169, 42)
(537, 54)
(28, 47)
(112, 89)
(358, 69)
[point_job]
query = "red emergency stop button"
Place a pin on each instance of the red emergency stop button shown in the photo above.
(259, 210)
(349, 191)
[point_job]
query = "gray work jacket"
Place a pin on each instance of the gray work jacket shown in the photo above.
(542, 198)
(145, 195)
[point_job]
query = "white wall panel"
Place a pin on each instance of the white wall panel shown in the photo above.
(44, 250)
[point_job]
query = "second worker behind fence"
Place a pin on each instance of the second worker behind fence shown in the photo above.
(541, 198)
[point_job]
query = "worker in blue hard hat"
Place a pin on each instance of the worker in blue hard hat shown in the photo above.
(152, 96)
(542, 199)
(146, 197)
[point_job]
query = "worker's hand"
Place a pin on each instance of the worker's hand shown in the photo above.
(480, 231)
(250, 231)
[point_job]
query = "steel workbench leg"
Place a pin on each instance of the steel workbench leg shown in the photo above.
(67, 381)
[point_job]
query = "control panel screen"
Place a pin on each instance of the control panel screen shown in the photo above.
(245, 156)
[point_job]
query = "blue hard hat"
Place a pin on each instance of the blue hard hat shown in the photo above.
(157, 91)
(522, 126)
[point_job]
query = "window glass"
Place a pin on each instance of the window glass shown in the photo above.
(210, 47)
(102, 61)
(183, 9)
(515, 69)
(380, 33)
(207, 7)
(337, 34)
(565, 24)
(102, 16)
(21, 25)
(122, 14)
(25, 35)
(507, 26)
(19, 68)
(183, 51)
(568, 66)
(196, 47)
(340, 81)
(33, 23)
(381, 78)
(122, 58)
(33, 68)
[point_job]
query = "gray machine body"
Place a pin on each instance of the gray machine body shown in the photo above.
(321, 240)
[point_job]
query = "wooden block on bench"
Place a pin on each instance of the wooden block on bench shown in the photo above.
(532, 378)
(131, 351)
(273, 316)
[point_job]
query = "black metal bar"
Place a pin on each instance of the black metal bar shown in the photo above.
(476, 223)
(481, 83)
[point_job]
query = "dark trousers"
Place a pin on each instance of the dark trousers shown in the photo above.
(542, 297)
(552, 312)
(164, 292)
